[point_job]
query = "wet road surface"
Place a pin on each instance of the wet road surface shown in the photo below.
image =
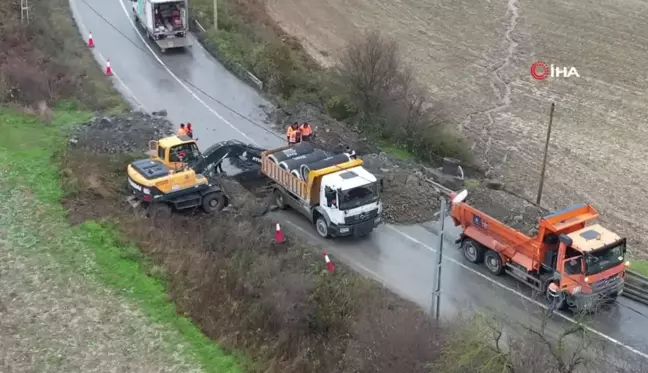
(193, 87)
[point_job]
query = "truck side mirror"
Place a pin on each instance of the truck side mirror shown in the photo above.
(381, 185)
(329, 194)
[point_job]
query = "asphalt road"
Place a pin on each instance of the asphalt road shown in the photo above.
(187, 85)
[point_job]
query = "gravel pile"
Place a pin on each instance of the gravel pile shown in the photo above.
(120, 134)
(509, 209)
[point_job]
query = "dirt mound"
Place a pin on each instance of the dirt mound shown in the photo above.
(330, 134)
(120, 134)
(507, 208)
(407, 197)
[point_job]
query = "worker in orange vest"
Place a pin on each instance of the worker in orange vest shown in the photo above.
(182, 131)
(292, 134)
(306, 131)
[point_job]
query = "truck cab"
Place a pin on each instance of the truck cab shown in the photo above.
(590, 265)
(350, 197)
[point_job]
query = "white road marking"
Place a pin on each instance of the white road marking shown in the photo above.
(84, 31)
(539, 304)
(178, 79)
(594, 331)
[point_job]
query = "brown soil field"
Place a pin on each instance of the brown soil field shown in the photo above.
(475, 59)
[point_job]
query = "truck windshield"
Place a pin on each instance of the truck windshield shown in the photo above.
(358, 196)
(599, 261)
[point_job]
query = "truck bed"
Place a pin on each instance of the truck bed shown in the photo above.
(496, 235)
(284, 178)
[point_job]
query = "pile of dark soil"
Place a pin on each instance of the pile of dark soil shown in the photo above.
(507, 208)
(129, 133)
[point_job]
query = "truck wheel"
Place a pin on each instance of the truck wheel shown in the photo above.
(559, 304)
(472, 251)
(493, 262)
(279, 199)
(322, 227)
(212, 202)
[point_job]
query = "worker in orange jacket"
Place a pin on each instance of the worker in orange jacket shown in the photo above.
(182, 131)
(306, 131)
(292, 134)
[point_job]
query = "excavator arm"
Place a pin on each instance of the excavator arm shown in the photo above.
(244, 154)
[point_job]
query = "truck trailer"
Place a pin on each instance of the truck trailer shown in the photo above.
(165, 21)
(340, 199)
(577, 266)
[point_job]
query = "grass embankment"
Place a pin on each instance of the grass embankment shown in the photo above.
(46, 60)
(93, 250)
(640, 266)
(371, 87)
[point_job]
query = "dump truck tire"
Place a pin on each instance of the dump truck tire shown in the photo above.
(493, 263)
(473, 251)
(322, 227)
(556, 304)
(213, 202)
(279, 199)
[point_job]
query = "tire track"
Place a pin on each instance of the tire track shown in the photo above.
(499, 85)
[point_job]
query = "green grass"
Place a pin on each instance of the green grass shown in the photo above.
(396, 152)
(37, 225)
(639, 266)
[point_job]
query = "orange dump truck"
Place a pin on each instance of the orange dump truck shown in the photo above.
(577, 266)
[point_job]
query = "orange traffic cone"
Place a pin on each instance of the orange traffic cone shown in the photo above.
(279, 236)
(108, 68)
(90, 41)
(330, 266)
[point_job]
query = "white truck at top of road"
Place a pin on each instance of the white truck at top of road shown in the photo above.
(165, 21)
(337, 194)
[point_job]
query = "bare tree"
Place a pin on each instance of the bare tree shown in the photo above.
(370, 65)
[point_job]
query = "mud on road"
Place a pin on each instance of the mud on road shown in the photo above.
(597, 153)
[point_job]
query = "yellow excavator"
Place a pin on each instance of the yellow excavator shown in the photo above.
(178, 176)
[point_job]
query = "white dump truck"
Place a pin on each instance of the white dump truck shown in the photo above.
(334, 192)
(165, 21)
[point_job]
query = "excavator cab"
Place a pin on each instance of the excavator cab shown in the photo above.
(175, 151)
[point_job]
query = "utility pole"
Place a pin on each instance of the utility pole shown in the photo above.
(436, 295)
(24, 11)
(215, 14)
(546, 153)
